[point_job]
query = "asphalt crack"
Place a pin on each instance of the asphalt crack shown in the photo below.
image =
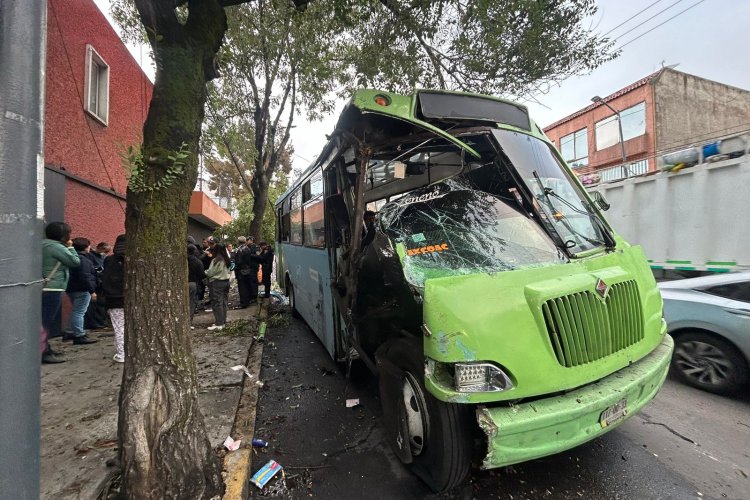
(647, 420)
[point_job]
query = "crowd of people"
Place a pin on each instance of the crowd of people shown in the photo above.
(94, 281)
(250, 263)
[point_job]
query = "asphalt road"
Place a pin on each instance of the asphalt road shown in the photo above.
(686, 444)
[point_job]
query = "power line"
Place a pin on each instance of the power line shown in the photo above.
(660, 24)
(630, 30)
(634, 15)
(534, 96)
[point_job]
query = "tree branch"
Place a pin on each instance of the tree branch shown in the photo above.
(429, 50)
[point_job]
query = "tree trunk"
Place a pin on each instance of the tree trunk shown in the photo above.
(164, 451)
(259, 185)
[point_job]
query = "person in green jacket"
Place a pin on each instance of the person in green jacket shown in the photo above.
(58, 256)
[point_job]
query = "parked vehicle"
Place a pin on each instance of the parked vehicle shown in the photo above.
(497, 306)
(709, 319)
(691, 220)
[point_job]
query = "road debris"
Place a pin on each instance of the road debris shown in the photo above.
(244, 369)
(351, 403)
(265, 473)
(232, 445)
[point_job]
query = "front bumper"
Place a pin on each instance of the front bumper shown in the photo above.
(546, 426)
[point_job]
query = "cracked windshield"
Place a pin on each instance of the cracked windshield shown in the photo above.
(468, 224)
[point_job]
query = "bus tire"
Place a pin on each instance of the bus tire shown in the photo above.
(439, 434)
(292, 300)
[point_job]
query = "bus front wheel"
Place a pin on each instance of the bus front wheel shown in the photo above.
(292, 299)
(432, 437)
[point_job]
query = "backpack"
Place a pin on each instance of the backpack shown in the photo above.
(113, 278)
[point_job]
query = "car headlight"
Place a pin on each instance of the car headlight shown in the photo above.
(480, 377)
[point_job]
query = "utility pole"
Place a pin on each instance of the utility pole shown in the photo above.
(598, 99)
(22, 56)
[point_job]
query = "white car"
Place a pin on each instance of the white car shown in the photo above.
(709, 319)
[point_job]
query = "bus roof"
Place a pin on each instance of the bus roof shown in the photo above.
(423, 107)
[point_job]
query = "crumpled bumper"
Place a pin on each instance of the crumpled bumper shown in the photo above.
(546, 426)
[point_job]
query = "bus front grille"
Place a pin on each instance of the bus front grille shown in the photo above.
(583, 328)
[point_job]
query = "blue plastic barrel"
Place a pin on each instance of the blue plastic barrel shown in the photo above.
(710, 149)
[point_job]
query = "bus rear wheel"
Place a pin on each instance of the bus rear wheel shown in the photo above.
(292, 299)
(432, 437)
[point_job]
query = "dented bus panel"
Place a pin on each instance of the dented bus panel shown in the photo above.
(496, 305)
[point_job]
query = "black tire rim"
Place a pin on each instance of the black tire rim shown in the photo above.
(417, 417)
(704, 363)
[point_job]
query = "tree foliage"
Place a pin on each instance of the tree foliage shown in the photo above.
(240, 224)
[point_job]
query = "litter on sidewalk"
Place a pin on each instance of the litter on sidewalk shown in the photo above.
(351, 403)
(244, 369)
(259, 443)
(232, 445)
(265, 473)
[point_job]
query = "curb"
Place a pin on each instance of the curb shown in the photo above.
(237, 463)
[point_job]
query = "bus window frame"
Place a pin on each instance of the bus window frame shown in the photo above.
(313, 198)
(295, 198)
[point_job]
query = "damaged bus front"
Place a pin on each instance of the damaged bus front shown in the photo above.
(504, 317)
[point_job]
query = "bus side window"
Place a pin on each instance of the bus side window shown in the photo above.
(295, 218)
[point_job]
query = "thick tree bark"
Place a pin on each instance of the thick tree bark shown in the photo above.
(259, 186)
(164, 451)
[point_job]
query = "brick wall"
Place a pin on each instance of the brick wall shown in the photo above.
(74, 141)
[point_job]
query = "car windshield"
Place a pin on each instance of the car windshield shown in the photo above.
(559, 202)
(451, 229)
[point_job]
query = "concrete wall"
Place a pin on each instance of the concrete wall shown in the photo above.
(75, 142)
(691, 109)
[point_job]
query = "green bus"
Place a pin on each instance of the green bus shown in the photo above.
(505, 319)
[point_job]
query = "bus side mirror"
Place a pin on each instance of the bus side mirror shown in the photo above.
(601, 201)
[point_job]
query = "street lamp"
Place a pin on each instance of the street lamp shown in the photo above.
(598, 99)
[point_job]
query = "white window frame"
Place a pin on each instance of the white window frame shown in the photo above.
(96, 66)
(572, 161)
(611, 123)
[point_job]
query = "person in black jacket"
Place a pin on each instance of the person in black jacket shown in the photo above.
(81, 290)
(266, 262)
(196, 273)
(113, 287)
(96, 315)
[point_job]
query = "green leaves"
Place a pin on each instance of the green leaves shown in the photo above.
(142, 178)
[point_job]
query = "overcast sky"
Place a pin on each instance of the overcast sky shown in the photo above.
(709, 39)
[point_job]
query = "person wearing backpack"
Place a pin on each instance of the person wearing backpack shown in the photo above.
(113, 287)
(58, 255)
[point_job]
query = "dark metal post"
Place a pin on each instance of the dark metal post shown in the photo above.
(622, 137)
(22, 57)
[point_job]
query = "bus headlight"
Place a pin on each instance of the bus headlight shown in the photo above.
(480, 377)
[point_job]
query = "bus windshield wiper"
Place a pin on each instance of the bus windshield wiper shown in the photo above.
(609, 240)
(547, 192)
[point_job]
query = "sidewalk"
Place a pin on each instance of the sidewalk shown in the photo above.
(79, 404)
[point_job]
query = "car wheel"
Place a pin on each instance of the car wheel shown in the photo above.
(292, 300)
(432, 437)
(709, 363)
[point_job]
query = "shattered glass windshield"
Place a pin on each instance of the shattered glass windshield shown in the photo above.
(451, 229)
(562, 207)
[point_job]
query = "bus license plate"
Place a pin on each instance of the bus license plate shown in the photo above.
(614, 413)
